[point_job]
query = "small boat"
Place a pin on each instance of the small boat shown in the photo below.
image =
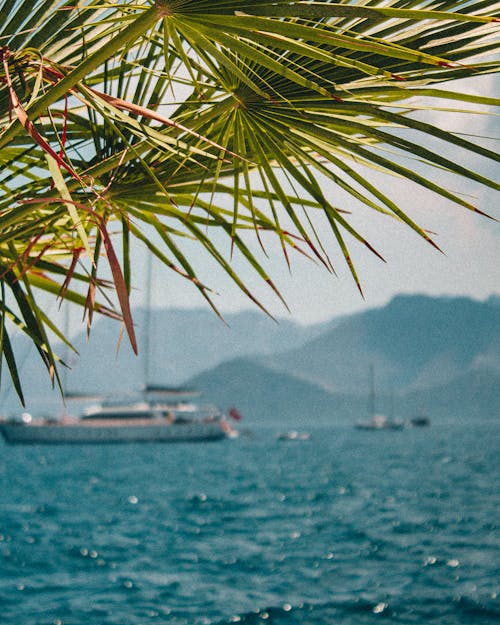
(294, 436)
(115, 422)
(377, 421)
(419, 422)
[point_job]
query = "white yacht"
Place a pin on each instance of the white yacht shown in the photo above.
(143, 421)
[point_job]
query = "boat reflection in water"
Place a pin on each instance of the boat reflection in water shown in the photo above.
(173, 419)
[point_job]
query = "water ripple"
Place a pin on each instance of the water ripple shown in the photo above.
(342, 530)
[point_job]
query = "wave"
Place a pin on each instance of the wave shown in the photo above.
(463, 610)
(302, 613)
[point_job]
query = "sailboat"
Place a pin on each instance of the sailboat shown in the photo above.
(377, 421)
(159, 415)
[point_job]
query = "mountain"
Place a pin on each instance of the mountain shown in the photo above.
(470, 396)
(440, 355)
(265, 396)
(182, 343)
(414, 342)
(434, 355)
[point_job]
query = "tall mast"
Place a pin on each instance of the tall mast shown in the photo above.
(147, 319)
(64, 369)
(64, 381)
(371, 397)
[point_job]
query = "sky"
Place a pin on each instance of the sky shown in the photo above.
(468, 265)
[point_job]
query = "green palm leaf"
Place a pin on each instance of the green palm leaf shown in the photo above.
(175, 120)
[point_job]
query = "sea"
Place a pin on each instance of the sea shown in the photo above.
(348, 527)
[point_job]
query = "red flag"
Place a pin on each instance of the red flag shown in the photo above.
(234, 414)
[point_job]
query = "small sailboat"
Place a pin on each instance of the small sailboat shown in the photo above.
(377, 421)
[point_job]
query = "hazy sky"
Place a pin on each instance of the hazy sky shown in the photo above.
(469, 266)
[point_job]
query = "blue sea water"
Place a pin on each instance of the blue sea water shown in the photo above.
(348, 527)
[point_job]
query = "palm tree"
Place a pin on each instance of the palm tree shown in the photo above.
(169, 121)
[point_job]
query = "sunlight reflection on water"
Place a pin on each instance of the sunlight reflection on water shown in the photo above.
(336, 529)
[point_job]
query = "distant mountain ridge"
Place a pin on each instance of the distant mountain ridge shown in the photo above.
(437, 354)
(265, 396)
(183, 342)
(413, 342)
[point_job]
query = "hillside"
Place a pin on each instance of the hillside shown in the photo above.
(182, 343)
(475, 395)
(414, 342)
(265, 396)
(440, 355)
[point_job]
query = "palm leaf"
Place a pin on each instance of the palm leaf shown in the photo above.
(180, 119)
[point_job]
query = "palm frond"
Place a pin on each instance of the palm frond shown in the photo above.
(169, 121)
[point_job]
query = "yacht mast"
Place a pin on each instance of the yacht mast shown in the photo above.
(147, 320)
(371, 397)
(64, 381)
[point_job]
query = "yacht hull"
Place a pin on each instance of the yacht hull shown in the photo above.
(79, 433)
